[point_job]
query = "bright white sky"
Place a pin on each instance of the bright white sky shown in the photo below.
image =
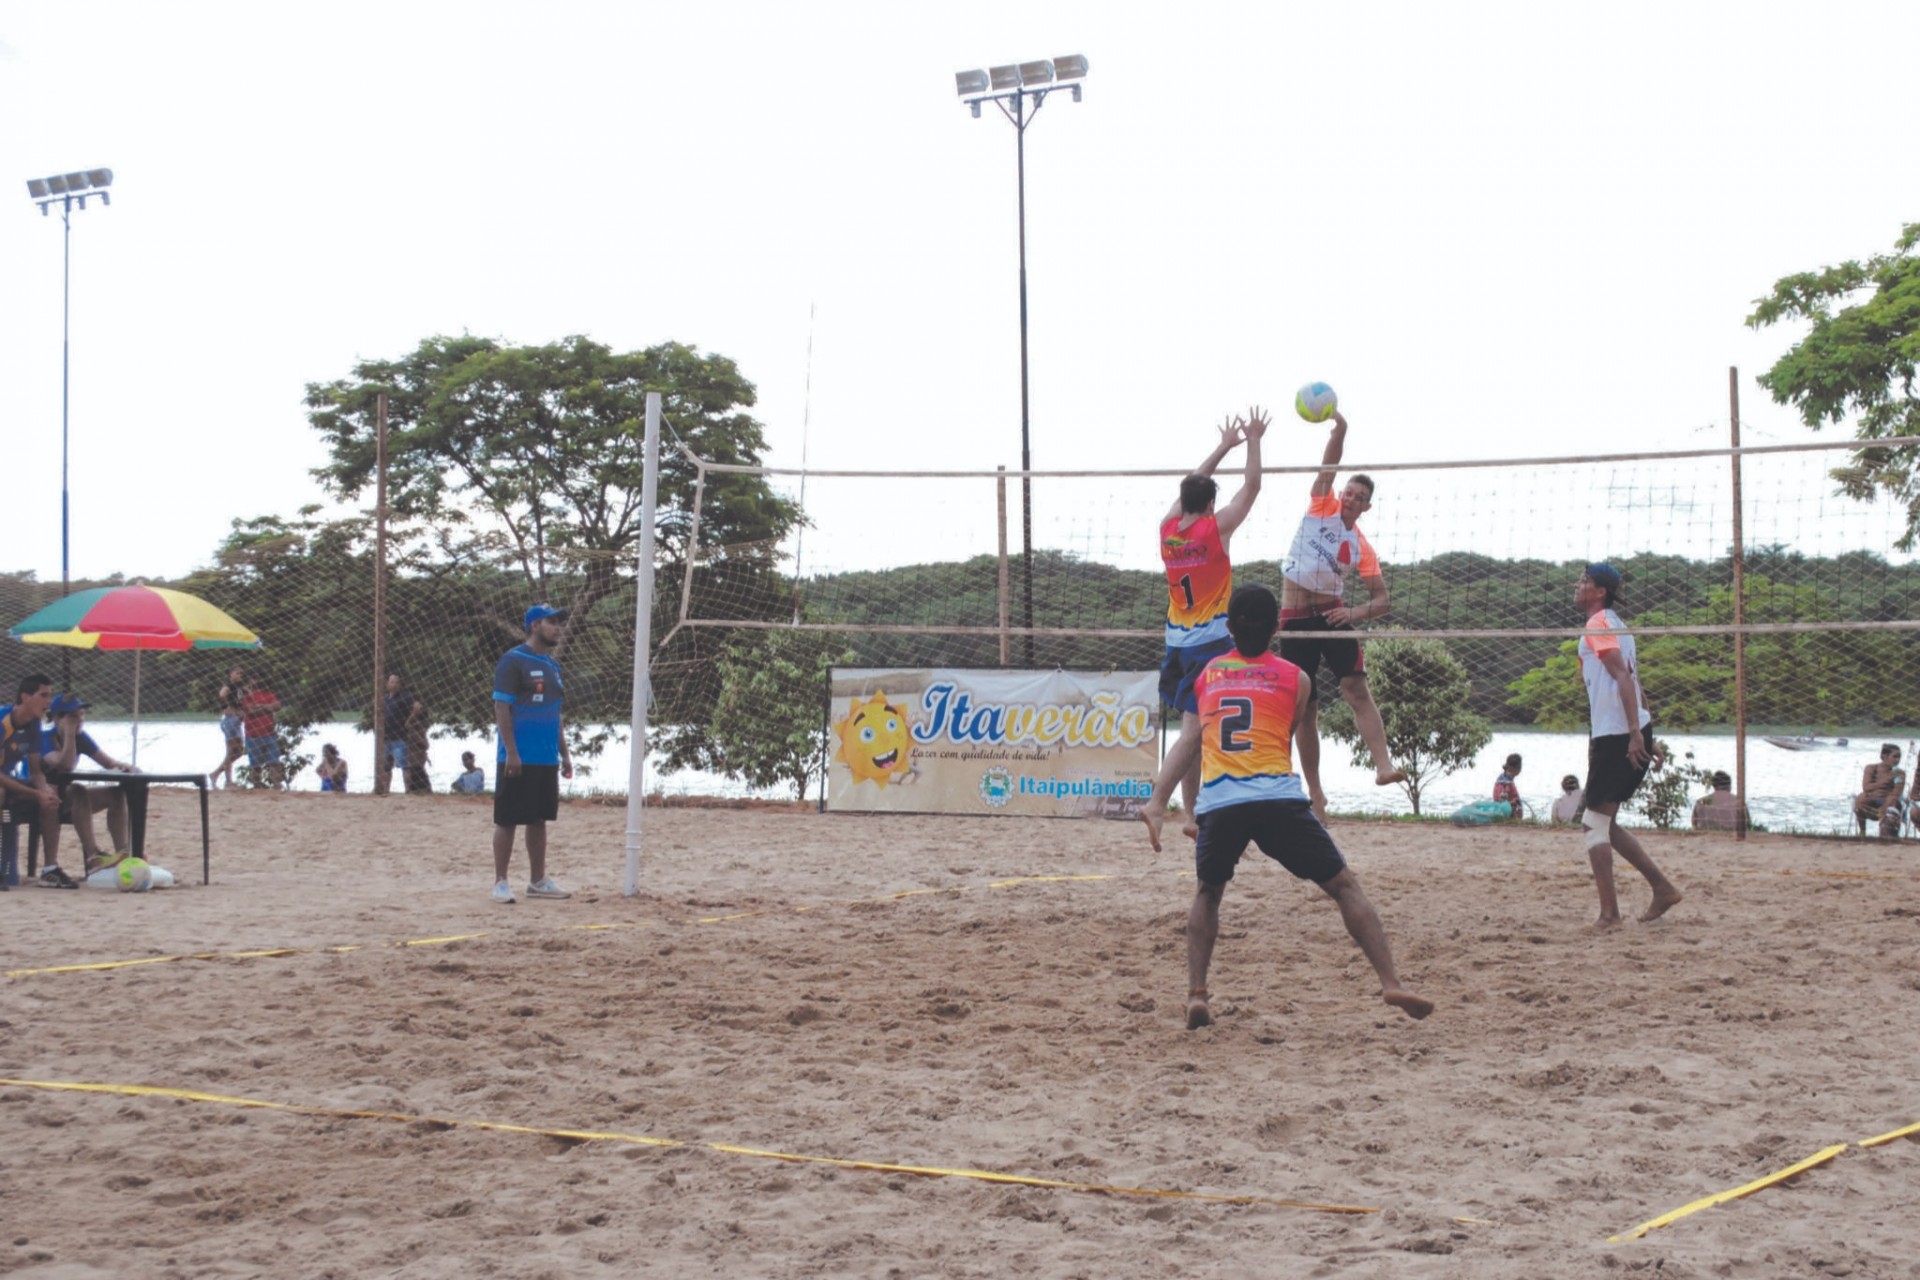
(1497, 229)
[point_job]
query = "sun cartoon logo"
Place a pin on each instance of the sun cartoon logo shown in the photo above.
(874, 741)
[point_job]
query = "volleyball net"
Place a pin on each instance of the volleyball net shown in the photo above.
(925, 570)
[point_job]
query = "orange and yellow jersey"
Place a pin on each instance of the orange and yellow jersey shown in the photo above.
(1246, 725)
(1324, 549)
(1199, 581)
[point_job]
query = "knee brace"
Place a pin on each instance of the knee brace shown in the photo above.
(1597, 825)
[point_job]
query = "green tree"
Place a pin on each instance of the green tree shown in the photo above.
(1663, 797)
(1859, 356)
(767, 727)
(1422, 691)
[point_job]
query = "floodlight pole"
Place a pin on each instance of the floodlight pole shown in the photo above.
(1018, 115)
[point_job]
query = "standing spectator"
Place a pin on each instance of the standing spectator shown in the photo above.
(62, 747)
(398, 711)
(333, 769)
(1504, 787)
(1571, 804)
(1620, 747)
(30, 797)
(417, 781)
(473, 779)
(1720, 810)
(1880, 786)
(257, 705)
(527, 697)
(230, 725)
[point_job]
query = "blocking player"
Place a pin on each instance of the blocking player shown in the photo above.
(1620, 749)
(1251, 702)
(1193, 549)
(1327, 545)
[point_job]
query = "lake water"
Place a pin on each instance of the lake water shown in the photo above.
(1787, 790)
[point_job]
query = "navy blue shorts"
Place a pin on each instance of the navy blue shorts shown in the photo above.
(1182, 667)
(1285, 830)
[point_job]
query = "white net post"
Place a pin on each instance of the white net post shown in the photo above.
(642, 644)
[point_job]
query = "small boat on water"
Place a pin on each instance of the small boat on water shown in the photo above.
(1807, 743)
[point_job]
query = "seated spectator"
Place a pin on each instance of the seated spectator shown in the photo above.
(1504, 788)
(333, 769)
(30, 798)
(63, 748)
(1572, 803)
(1721, 810)
(1880, 785)
(474, 780)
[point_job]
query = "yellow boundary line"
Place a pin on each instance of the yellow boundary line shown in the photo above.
(1818, 1158)
(724, 1148)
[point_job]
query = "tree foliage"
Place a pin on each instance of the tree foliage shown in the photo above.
(539, 451)
(1421, 690)
(1858, 357)
(767, 728)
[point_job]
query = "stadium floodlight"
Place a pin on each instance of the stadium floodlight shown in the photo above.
(67, 190)
(1012, 87)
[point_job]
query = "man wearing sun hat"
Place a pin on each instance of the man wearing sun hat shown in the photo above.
(1621, 747)
(532, 756)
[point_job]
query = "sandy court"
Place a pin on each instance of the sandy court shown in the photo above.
(770, 993)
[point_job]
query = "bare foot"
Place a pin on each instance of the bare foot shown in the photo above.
(1191, 830)
(1387, 777)
(1155, 819)
(1663, 902)
(1415, 1007)
(1198, 1014)
(1604, 923)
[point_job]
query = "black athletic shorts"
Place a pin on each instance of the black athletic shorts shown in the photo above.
(1611, 777)
(528, 800)
(1306, 650)
(1285, 830)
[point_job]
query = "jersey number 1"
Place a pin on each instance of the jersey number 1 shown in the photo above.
(1186, 588)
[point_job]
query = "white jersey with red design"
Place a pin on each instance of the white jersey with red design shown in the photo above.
(1325, 549)
(1603, 691)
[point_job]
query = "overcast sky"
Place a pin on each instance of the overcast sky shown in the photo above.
(1496, 229)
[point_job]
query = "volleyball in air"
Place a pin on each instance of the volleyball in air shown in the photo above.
(134, 875)
(1316, 402)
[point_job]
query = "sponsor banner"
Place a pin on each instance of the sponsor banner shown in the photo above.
(1056, 744)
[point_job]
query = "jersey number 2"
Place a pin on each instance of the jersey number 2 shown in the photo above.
(1238, 722)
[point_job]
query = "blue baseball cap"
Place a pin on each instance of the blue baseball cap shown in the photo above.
(1602, 574)
(540, 611)
(65, 703)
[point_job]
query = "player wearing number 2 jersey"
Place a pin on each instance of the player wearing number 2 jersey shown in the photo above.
(1193, 549)
(1250, 705)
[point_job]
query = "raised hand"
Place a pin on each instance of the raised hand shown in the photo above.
(1255, 424)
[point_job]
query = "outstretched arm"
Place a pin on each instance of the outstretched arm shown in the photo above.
(1252, 427)
(1336, 445)
(1230, 435)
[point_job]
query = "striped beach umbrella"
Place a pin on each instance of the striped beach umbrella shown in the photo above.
(136, 617)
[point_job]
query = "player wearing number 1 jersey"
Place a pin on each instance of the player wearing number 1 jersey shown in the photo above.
(1251, 702)
(1193, 549)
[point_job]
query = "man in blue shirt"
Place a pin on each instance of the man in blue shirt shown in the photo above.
(30, 797)
(533, 754)
(62, 747)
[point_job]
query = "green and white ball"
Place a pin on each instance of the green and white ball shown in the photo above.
(1315, 402)
(133, 875)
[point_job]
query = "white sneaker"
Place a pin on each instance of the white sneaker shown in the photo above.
(503, 892)
(548, 888)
